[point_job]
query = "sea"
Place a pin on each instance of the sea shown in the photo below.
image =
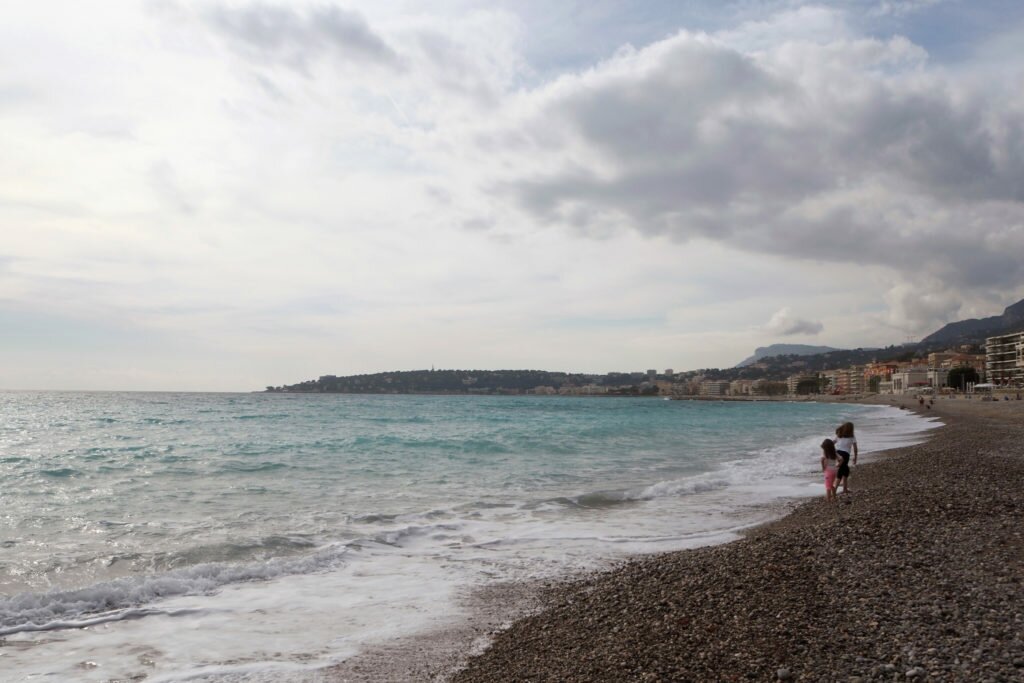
(263, 537)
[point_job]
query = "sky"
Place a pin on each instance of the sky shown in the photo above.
(225, 195)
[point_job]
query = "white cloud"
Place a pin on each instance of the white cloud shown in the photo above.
(809, 24)
(901, 7)
(785, 324)
(849, 151)
(277, 33)
(922, 308)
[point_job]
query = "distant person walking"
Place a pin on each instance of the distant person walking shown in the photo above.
(846, 445)
(830, 461)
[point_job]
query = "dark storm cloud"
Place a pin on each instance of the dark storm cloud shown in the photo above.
(852, 151)
(279, 34)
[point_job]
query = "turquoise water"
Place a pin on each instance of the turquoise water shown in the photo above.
(148, 507)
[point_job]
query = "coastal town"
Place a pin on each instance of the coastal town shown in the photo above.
(994, 365)
(1000, 365)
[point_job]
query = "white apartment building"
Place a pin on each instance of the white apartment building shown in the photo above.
(937, 378)
(741, 387)
(1004, 359)
(908, 380)
(710, 387)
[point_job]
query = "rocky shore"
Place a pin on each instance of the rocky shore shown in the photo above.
(916, 575)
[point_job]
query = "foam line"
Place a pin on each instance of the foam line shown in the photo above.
(123, 615)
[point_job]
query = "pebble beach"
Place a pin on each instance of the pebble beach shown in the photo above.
(915, 575)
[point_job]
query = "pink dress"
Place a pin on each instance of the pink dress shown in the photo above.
(831, 467)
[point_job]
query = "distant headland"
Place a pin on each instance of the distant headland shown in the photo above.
(502, 382)
(775, 370)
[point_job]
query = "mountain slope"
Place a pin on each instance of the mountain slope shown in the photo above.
(976, 329)
(784, 350)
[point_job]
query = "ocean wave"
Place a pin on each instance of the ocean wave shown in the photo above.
(687, 486)
(415, 419)
(386, 518)
(460, 446)
(133, 597)
(372, 518)
(163, 421)
(123, 615)
(60, 472)
(122, 598)
(253, 467)
(615, 498)
(267, 416)
(397, 537)
(591, 500)
(258, 549)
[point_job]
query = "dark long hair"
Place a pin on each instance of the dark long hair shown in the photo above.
(830, 449)
(845, 430)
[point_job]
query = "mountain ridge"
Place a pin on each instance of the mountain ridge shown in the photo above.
(976, 329)
(784, 350)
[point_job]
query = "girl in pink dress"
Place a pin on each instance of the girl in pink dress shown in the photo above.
(830, 462)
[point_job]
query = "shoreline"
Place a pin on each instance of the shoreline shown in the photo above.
(757, 608)
(917, 573)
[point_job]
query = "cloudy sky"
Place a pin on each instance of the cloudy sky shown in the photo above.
(224, 195)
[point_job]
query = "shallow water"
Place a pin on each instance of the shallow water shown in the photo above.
(250, 536)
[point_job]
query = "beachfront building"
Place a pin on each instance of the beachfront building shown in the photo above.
(742, 387)
(970, 360)
(937, 378)
(691, 387)
(937, 374)
(852, 381)
(664, 386)
(845, 380)
(1004, 359)
(830, 378)
(882, 370)
(793, 383)
(961, 359)
(712, 387)
(681, 389)
(937, 359)
(940, 363)
(909, 379)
